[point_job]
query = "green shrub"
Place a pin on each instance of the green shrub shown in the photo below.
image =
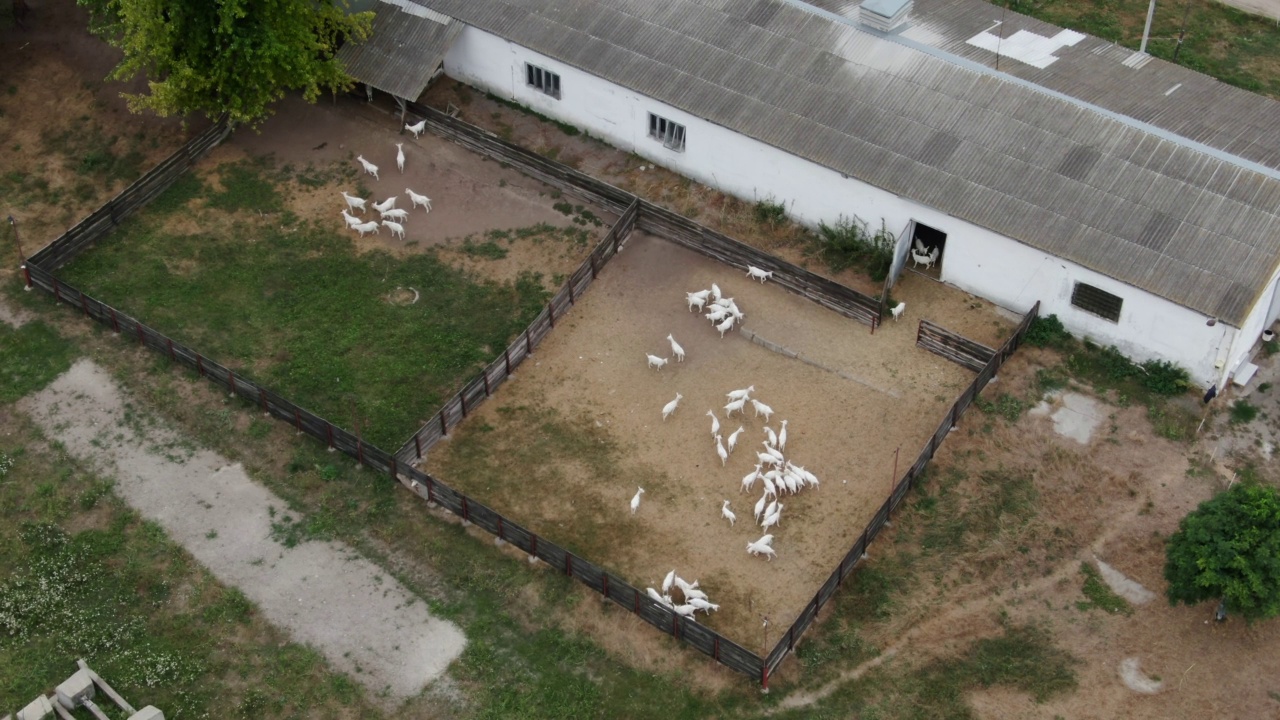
(770, 211)
(1242, 412)
(1164, 378)
(1047, 332)
(849, 243)
(1271, 347)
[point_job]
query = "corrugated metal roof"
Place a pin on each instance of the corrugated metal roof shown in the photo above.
(1188, 224)
(406, 47)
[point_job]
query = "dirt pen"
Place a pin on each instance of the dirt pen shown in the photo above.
(861, 401)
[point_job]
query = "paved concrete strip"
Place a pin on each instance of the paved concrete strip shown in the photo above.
(324, 594)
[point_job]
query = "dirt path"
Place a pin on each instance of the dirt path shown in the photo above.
(323, 593)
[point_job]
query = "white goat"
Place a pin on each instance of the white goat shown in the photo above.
(771, 508)
(397, 215)
(733, 439)
(676, 349)
(658, 598)
(369, 227)
(736, 405)
(770, 521)
(368, 167)
(727, 514)
(690, 593)
(668, 581)
(770, 488)
(758, 549)
(417, 199)
(760, 506)
(416, 128)
(635, 505)
(758, 274)
(671, 406)
(724, 456)
(353, 202)
(685, 610)
(897, 311)
(715, 292)
(716, 314)
(726, 326)
(695, 301)
(771, 438)
(703, 605)
(742, 394)
(385, 205)
(767, 459)
(396, 228)
(749, 479)
(400, 156)
(715, 423)
(352, 220)
(762, 409)
(766, 540)
(655, 361)
(782, 438)
(920, 258)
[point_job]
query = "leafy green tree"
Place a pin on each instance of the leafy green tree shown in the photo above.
(228, 56)
(1229, 549)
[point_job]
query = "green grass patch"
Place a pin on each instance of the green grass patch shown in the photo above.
(30, 358)
(81, 576)
(179, 195)
(1022, 658)
(1243, 412)
(94, 153)
(487, 249)
(953, 521)
(1005, 405)
(1099, 595)
(300, 311)
(246, 185)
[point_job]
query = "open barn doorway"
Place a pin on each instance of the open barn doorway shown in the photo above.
(928, 249)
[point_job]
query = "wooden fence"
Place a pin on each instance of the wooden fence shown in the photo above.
(956, 348)
(634, 212)
(465, 401)
(139, 193)
(806, 617)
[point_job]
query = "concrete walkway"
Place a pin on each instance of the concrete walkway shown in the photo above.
(323, 593)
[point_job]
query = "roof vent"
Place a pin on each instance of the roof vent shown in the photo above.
(884, 15)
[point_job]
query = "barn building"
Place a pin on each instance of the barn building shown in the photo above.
(1135, 199)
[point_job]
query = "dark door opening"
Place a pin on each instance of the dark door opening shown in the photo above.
(928, 245)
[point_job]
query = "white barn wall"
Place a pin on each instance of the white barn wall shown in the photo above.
(978, 260)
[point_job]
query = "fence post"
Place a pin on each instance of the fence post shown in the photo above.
(528, 344)
(297, 420)
(142, 339)
(485, 375)
(715, 653)
(534, 550)
(569, 284)
(262, 400)
(417, 445)
(636, 603)
(500, 537)
(56, 294)
(328, 431)
(466, 513)
(444, 429)
(593, 265)
(231, 378)
(360, 450)
(84, 304)
(604, 577)
(394, 473)
(506, 354)
(115, 325)
(172, 356)
(764, 675)
(200, 364)
(26, 273)
(551, 314)
(462, 398)
(568, 564)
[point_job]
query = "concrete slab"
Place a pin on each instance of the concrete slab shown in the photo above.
(1074, 415)
(72, 691)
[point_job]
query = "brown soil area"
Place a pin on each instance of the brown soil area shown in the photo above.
(53, 105)
(863, 396)
(471, 196)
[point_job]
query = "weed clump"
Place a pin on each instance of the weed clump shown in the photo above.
(850, 243)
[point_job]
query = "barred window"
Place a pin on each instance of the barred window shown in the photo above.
(542, 79)
(668, 133)
(1099, 302)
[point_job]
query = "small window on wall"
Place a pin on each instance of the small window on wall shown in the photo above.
(668, 133)
(544, 80)
(1099, 302)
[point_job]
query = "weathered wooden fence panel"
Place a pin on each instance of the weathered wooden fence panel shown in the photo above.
(952, 346)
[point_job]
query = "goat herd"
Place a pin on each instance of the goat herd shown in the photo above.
(392, 218)
(782, 476)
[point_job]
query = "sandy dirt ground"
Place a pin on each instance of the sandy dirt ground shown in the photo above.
(1113, 499)
(470, 195)
(858, 398)
(323, 593)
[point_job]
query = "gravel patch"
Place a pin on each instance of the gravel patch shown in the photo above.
(323, 593)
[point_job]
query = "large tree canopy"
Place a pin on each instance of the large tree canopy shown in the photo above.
(232, 56)
(1229, 549)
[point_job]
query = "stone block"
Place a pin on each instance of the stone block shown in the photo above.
(39, 709)
(147, 713)
(72, 692)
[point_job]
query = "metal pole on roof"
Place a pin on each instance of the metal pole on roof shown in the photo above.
(1146, 31)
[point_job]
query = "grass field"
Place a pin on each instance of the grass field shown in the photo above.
(292, 303)
(1220, 41)
(82, 576)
